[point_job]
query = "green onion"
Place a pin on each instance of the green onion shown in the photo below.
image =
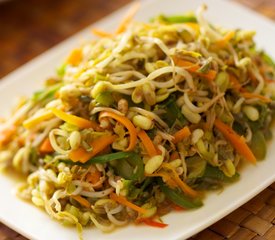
(180, 199)
(173, 113)
(176, 18)
(45, 93)
(196, 166)
(216, 174)
(130, 165)
(105, 98)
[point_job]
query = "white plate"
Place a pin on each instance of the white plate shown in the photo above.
(35, 224)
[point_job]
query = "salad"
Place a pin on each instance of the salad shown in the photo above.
(142, 121)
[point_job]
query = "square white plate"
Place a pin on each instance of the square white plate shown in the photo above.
(35, 224)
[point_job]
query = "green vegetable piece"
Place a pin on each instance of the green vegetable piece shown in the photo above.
(180, 199)
(105, 98)
(61, 70)
(216, 174)
(222, 81)
(196, 166)
(47, 93)
(177, 18)
(258, 145)
(173, 112)
(130, 165)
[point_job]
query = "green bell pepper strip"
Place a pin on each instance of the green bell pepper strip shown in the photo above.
(180, 199)
(130, 165)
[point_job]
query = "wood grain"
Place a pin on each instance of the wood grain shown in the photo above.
(30, 27)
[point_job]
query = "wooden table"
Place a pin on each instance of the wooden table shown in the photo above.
(29, 27)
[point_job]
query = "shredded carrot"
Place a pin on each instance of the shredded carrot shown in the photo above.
(74, 120)
(93, 176)
(193, 68)
(181, 134)
(165, 176)
(125, 122)
(122, 200)
(151, 222)
(226, 38)
(249, 95)
(174, 156)
(6, 134)
(128, 18)
(33, 121)
(84, 202)
(46, 146)
(184, 187)
(75, 57)
(177, 207)
(147, 143)
(101, 33)
(236, 141)
(97, 145)
(234, 82)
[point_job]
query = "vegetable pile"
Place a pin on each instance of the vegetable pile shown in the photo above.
(142, 121)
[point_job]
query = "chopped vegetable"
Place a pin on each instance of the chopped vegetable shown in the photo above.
(181, 134)
(122, 200)
(75, 57)
(237, 141)
(152, 223)
(97, 145)
(127, 123)
(147, 143)
(257, 96)
(6, 134)
(258, 145)
(184, 187)
(33, 121)
(180, 199)
(84, 202)
(74, 120)
(193, 68)
(46, 147)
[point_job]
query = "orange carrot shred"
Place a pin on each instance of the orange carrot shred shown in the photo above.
(236, 141)
(75, 120)
(152, 223)
(46, 146)
(184, 187)
(97, 145)
(174, 156)
(84, 202)
(122, 200)
(193, 68)
(101, 33)
(165, 176)
(125, 122)
(147, 143)
(181, 134)
(226, 38)
(75, 57)
(249, 95)
(234, 82)
(6, 134)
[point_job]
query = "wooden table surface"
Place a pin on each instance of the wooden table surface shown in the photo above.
(30, 27)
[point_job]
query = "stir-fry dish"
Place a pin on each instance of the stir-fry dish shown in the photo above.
(142, 121)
